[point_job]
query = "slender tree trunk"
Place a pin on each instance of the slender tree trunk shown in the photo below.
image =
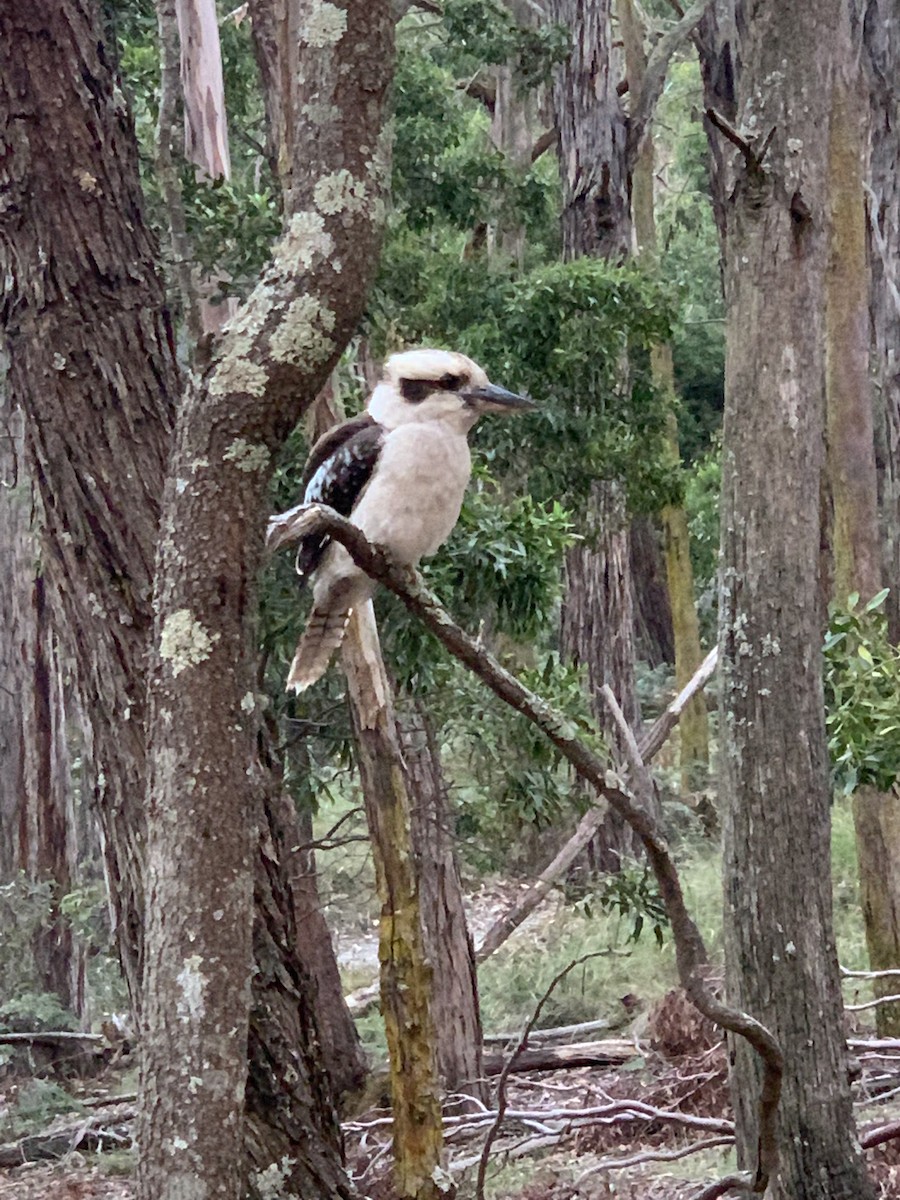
(856, 543)
(597, 628)
(694, 729)
(881, 34)
(781, 963)
(448, 945)
(407, 982)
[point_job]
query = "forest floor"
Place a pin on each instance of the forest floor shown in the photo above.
(661, 1116)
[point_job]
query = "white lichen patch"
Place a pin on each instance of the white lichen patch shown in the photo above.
(198, 464)
(248, 702)
(270, 1182)
(302, 337)
(320, 112)
(236, 374)
(184, 642)
(339, 192)
(87, 182)
(59, 362)
(305, 242)
(325, 25)
(247, 456)
(190, 1004)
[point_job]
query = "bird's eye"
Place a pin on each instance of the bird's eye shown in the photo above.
(449, 383)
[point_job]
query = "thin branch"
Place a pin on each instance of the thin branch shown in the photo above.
(632, 1160)
(753, 158)
(846, 973)
(731, 1183)
(647, 95)
(504, 1076)
(544, 142)
(690, 952)
(879, 1135)
(872, 1003)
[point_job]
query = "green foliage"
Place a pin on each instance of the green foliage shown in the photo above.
(34, 1011)
(25, 908)
(633, 896)
(36, 1103)
(689, 257)
(480, 32)
(862, 696)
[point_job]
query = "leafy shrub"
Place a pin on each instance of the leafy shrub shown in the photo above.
(862, 696)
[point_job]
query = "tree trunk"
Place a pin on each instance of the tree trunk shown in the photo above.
(448, 945)
(407, 984)
(882, 47)
(82, 297)
(81, 300)
(694, 729)
(35, 773)
(781, 962)
(856, 542)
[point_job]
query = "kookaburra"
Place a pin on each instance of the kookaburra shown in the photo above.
(399, 472)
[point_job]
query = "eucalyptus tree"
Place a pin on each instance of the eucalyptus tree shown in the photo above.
(781, 962)
(237, 1094)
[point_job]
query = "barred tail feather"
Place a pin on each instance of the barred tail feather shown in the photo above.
(323, 634)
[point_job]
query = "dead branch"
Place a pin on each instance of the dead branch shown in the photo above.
(690, 952)
(632, 1160)
(650, 744)
(166, 168)
(879, 1134)
(49, 1037)
(846, 973)
(654, 79)
(559, 1033)
(544, 142)
(871, 1003)
(753, 158)
(91, 1133)
(504, 1074)
(608, 1053)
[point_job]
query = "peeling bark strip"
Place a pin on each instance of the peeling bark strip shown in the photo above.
(779, 939)
(205, 120)
(274, 357)
(690, 953)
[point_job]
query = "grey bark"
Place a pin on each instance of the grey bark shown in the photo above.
(881, 33)
(781, 963)
(275, 356)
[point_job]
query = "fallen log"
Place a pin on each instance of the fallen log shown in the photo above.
(91, 1133)
(612, 1052)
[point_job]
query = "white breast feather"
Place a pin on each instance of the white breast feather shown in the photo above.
(415, 496)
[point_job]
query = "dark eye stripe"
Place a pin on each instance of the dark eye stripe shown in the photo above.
(414, 391)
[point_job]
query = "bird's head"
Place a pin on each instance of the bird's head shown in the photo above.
(438, 385)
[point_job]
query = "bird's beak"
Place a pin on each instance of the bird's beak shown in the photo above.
(492, 398)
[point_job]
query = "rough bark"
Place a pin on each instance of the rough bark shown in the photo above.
(852, 476)
(274, 357)
(448, 944)
(881, 35)
(592, 136)
(81, 299)
(407, 987)
(597, 632)
(781, 962)
(35, 781)
(718, 48)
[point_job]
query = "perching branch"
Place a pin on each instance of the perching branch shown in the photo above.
(690, 952)
(653, 82)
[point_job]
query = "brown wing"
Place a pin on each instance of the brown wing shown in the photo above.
(330, 442)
